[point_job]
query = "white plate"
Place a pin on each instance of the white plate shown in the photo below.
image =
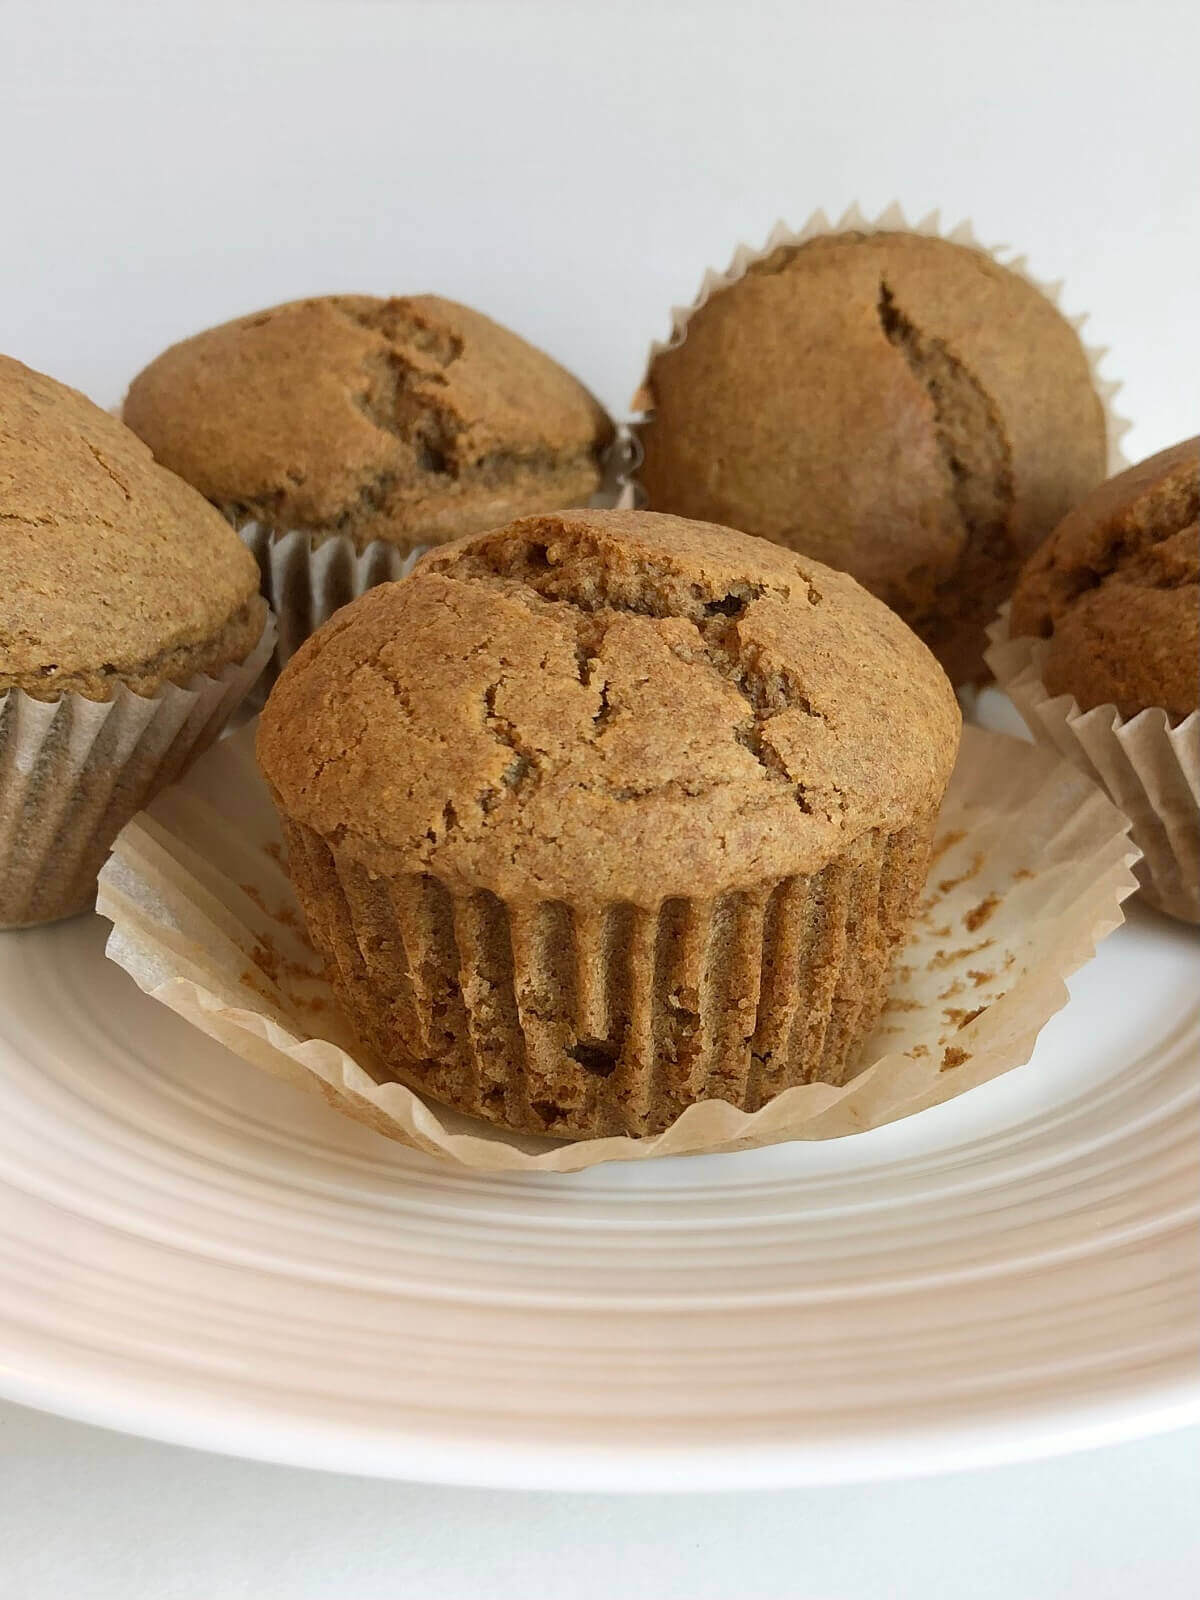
(191, 1250)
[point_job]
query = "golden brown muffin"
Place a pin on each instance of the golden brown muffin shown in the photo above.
(1116, 590)
(112, 570)
(407, 420)
(898, 406)
(605, 813)
(114, 576)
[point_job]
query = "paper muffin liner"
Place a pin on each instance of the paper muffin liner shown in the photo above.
(1150, 769)
(73, 771)
(611, 1018)
(1030, 865)
(890, 220)
(307, 576)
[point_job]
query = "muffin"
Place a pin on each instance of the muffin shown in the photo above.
(601, 814)
(1116, 591)
(386, 424)
(130, 627)
(896, 405)
(1101, 654)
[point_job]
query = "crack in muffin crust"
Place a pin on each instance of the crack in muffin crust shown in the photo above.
(978, 460)
(528, 572)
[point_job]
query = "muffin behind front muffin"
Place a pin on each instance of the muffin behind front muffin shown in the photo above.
(340, 433)
(130, 627)
(896, 405)
(602, 814)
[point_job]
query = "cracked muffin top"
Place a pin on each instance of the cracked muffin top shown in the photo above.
(112, 570)
(605, 706)
(898, 406)
(1116, 590)
(410, 420)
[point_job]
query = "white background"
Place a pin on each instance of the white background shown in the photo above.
(572, 168)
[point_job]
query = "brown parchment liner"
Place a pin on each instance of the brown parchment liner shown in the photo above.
(73, 771)
(890, 220)
(1031, 864)
(1150, 769)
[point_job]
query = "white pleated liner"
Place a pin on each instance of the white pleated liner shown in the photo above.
(1031, 865)
(73, 771)
(1150, 769)
(891, 220)
(306, 578)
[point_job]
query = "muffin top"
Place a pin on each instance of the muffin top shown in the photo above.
(1116, 590)
(411, 420)
(112, 570)
(609, 706)
(898, 406)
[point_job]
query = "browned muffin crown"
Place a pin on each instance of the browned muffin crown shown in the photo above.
(898, 406)
(112, 570)
(410, 420)
(609, 706)
(1116, 590)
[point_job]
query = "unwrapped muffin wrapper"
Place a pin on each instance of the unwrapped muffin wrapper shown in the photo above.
(1031, 863)
(1150, 769)
(73, 771)
(891, 220)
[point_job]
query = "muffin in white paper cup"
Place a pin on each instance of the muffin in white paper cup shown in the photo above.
(131, 628)
(74, 770)
(890, 398)
(344, 435)
(1100, 653)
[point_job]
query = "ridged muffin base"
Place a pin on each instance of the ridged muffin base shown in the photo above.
(580, 1022)
(73, 771)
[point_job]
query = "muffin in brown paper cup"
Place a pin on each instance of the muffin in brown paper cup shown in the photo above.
(1100, 653)
(344, 434)
(599, 815)
(130, 629)
(1030, 864)
(582, 1021)
(890, 398)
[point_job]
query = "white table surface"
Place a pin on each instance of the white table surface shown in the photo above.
(90, 1515)
(572, 168)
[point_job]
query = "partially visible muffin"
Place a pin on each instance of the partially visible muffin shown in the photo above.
(111, 569)
(114, 575)
(605, 813)
(1100, 653)
(410, 420)
(898, 406)
(1116, 591)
